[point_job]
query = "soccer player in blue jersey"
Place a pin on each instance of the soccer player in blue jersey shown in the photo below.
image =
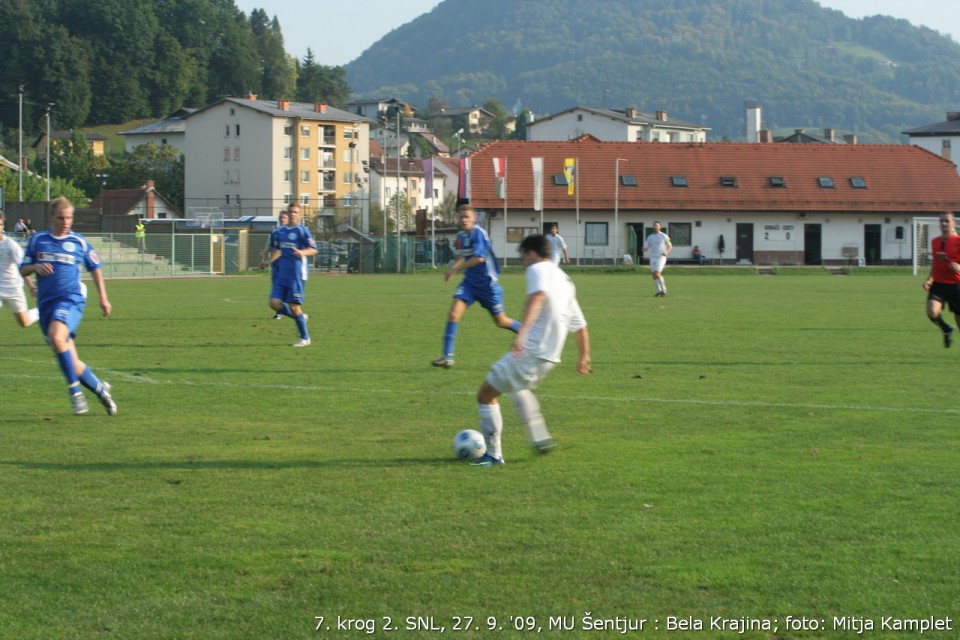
(54, 257)
(291, 245)
(480, 283)
(267, 250)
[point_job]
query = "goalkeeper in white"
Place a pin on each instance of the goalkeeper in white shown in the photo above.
(551, 312)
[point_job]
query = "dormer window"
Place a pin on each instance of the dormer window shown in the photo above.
(825, 182)
(858, 182)
(778, 182)
(628, 181)
(678, 181)
(559, 179)
(728, 181)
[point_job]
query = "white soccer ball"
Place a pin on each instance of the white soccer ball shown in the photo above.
(469, 444)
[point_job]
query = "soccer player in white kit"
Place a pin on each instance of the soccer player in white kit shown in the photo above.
(559, 246)
(551, 312)
(11, 282)
(659, 245)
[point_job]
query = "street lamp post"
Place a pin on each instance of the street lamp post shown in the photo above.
(50, 106)
(616, 213)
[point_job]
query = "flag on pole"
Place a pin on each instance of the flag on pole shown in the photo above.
(500, 172)
(463, 195)
(428, 178)
(570, 172)
(537, 183)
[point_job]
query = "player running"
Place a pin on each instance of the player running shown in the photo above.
(943, 285)
(480, 283)
(291, 246)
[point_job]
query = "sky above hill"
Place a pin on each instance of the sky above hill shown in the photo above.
(338, 32)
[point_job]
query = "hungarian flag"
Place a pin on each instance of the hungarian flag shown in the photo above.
(500, 172)
(463, 195)
(570, 173)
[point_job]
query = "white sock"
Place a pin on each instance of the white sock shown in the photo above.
(528, 409)
(491, 425)
(33, 315)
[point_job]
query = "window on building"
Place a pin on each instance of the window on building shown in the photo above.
(288, 129)
(305, 199)
(728, 181)
(579, 117)
(413, 184)
(236, 153)
(348, 155)
(348, 134)
(825, 182)
(226, 131)
(236, 130)
(288, 153)
(678, 181)
(559, 179)
(226, 154)
(628, 181)
(595, 234)
(236, 199)
(305, 153)
(304, 176)
(226, 198)
(287, 198)
(945, 144)
(347, 177)
(236, 176)
(288, 175)
(778, 182)
(304, 131)
(679, 233)
(655, 136)
(233, 111)
(858, 182)
(226, 176)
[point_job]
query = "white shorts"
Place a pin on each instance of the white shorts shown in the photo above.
(510, 373)
(17, 303)
(658, 263)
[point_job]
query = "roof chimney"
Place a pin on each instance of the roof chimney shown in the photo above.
(251, 96)
(283, 105)
(850, 138)
(320, 107)
(151, 200)
(765, 136)
(830, 134)
(662, 116)
(631, 112)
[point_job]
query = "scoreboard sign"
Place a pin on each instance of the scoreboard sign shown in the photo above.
(779, 232)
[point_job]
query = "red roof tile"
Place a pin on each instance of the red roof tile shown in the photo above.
(898, 177)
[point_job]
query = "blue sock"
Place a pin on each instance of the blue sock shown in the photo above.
(301, 321)
(285, 310)
(516, 326)
(449, 338)
(65, 361)
(90, 381)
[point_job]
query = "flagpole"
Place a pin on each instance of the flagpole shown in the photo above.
(504, 211)
(576, 183)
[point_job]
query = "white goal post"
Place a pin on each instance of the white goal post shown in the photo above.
(924, 230)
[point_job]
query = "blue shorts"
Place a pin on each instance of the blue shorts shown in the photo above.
(490, 298)
(289, 291)
(69, 312)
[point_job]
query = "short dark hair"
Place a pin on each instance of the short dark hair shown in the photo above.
(538, 243)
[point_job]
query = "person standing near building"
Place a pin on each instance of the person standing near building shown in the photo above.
(140, 231)
(659, 245)
(480, 283)
(551, 312)
(943, 284)
(11, 282)
(558, 245)
(55, 257)
(291, 245)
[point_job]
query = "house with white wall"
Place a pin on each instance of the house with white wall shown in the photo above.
(170, 131)
(939, 138)
(776, 204)
(627, 125)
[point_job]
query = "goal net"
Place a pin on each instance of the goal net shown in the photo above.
(204, 217)
(924, 230)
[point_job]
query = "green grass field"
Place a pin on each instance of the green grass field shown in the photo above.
(749, 452)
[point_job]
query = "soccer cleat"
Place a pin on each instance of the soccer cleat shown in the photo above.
(107, 400)
(545, 446)
(302, 342)
(444, 363)
(487, 460)
(948, 338)
(277, 316)
(79, 404)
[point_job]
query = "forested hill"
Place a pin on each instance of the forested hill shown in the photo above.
(700, 60)
(110, 61)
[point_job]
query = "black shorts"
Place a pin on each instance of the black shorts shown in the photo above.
(948, 293)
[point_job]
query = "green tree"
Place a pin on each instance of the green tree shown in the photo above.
(73, 160)
(164, 165)
(498, 128)
(317, 83)
(279, 70)
(35, 188)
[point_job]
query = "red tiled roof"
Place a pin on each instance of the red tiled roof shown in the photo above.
(118, 201)
(898, 177)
